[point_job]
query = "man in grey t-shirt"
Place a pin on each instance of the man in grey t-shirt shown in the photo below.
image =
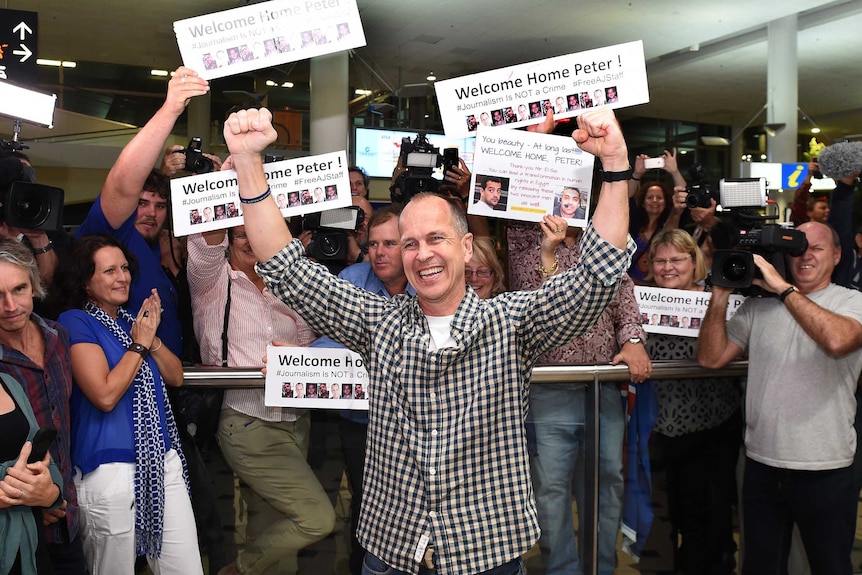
(805, 356)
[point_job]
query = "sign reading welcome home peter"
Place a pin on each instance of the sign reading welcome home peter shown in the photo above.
(324, 378)
(677, 312)
(299, 186)
(520, 175)
(267, 34)
(521, 95)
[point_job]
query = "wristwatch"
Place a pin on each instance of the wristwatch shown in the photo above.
(617, 176)
(139, 349)
(783, 295)
(635, 340)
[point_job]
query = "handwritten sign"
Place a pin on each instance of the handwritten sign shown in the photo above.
(521, 175)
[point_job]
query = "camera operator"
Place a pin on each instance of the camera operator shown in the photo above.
(805, 356)
(47, 246)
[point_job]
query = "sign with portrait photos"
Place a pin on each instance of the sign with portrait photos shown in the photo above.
(207, 202)
(677, 312)
(520, 175)
(267, 34)
(322, 378)
(521, 95)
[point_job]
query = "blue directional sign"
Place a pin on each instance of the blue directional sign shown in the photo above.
(18, 41)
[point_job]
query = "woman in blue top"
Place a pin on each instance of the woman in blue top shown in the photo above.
(130, 470)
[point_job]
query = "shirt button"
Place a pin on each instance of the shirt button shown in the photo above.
(433, 395)
(432, 471)
(433, 433)
(432, 514)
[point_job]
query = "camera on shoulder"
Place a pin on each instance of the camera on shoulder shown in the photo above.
(751, 234)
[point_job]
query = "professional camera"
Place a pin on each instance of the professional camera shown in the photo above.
(699, 193)
(27, 205)
(420, 159)
(329, 233)
(196, 162)
(735, 268)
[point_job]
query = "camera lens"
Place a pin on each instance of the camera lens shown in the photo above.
(691, 200)
(328, 245)
(31, 211)
(202, 165)
(736, 267)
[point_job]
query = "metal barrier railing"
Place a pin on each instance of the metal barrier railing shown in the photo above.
(592, 375)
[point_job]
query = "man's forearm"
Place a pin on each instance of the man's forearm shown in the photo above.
(264, 224)
(139, 157)
(838, 335)
(611, 218)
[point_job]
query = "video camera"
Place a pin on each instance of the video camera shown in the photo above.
(329, 233)
(196, 162)
(735, 268)
(26, 204)
(420, 159)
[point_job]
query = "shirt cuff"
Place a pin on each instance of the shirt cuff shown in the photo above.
(606, 261)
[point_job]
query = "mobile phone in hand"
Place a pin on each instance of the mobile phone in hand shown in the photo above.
(41, 442)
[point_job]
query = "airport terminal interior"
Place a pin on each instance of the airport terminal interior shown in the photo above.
(731, 84)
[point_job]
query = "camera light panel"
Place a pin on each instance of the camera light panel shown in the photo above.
(742, 192)
(26, 105)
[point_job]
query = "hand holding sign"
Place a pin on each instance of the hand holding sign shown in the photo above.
(185, 85)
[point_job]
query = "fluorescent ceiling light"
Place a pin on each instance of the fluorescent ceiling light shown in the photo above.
(27, 105)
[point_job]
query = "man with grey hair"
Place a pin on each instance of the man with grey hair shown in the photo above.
(35, 351)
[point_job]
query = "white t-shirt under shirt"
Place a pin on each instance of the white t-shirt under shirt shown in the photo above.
(441, 332)
(799, 402)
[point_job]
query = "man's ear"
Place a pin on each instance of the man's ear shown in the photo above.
(467, 242)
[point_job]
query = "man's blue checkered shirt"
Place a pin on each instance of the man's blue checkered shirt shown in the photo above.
(446, 452)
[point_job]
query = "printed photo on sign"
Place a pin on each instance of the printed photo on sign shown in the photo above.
(206, 202)
(323, 378)
(677, 312)
(521, 95)
(521, 175)
(267, 34)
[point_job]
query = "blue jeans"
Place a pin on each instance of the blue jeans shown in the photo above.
(557, 414)
(373, 565)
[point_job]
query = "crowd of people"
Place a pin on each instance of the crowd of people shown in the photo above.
(94, 332)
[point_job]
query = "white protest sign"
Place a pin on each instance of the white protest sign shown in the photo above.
(267, 34)
(299, 186)
(520, 175)
(677, 312)
(325, 378)
(521, 95)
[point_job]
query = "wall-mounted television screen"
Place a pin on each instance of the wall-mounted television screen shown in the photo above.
(376, 151)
